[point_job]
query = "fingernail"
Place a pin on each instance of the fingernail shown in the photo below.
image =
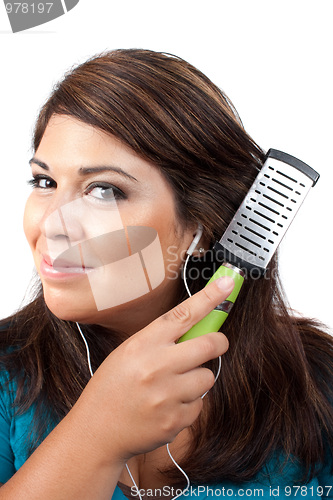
(225, 283)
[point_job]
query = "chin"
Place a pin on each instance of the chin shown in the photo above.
(70, 308)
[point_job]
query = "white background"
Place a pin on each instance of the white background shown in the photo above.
(272, 58)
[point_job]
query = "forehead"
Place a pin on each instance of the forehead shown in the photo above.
(68, 142)
(69, 145)
(77, 141)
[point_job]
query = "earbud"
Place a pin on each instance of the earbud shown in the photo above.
(196, 240)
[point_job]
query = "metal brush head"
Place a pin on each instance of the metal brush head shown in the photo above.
(266, 212)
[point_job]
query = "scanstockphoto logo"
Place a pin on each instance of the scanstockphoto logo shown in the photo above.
(25, 15)
(87, 236)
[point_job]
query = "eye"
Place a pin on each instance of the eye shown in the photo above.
(42, 182)
(105, 192)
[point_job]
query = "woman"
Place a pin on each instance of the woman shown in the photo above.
(138, 139)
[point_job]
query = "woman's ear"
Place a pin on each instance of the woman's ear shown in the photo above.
(196, 239)
(200, 244)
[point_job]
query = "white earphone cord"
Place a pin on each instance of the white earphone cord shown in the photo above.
(167, 446)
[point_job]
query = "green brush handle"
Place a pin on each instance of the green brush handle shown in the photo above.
(215, 319)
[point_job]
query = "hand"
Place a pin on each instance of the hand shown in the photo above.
(149, 388)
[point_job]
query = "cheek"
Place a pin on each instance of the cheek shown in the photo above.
(31, 220)
(172, 242)
(158, 215)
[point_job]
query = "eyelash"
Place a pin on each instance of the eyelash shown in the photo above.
(118, 193)
(34, 182)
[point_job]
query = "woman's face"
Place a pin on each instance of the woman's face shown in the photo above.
(102, 226)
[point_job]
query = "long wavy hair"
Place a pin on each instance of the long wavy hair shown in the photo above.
(274, 394)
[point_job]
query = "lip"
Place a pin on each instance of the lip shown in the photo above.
(65, 272)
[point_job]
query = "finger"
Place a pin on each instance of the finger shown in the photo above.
(191, 411)
(181, 318)
(197, 351)
(195, 383)
(186, 415)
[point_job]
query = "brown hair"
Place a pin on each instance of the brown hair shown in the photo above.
(274, 393)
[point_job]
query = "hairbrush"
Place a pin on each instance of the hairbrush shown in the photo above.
(257, 229)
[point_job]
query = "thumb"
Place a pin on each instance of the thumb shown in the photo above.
(181, 318)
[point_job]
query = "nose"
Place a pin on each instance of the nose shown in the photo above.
(63, 225)
(68, 223)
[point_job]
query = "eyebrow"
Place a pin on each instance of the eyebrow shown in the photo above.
(89, 170)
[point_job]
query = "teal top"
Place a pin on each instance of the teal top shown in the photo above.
(270, 483)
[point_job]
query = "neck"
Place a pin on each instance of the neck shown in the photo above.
(147, 469)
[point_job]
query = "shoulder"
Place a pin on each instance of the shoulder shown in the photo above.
(8, 390)
(15, 429)
(280, 477)
(7, 427)
(318, 345)
(6, 336)
(10, 369)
